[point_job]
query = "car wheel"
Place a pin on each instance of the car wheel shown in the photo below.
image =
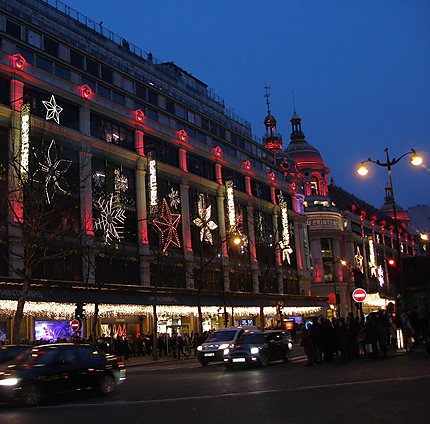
(285, 358)
(263, 361)
(106, 385)
(31, 394)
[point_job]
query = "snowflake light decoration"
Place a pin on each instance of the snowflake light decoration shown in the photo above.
(99, 179)
(111, 220)
(167, 225)
(121, 181)
(52, 109)
(174, 198)
(204, 221)
(50, 172)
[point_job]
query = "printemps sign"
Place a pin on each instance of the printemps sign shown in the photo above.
(25, 140)
(286, 249)
(231, 209)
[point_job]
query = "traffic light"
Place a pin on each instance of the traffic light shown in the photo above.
(79, 310)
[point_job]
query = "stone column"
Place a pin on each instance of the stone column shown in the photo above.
(142, 223)
(252, 249)
(84, 118)
(86, 199)
(223, 237)
(15, 212)
(186, 234)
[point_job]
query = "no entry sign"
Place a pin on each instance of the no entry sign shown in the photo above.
(75, 324)
(359, 295)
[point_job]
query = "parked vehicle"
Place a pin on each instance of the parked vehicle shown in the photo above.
(59, 368)
(212, 350)
(10, 352)
(259, 348)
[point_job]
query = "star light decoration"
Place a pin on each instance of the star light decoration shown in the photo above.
(111, 220)
(52, 109)
(174, 198)
(50, 172)
(167, 224)
(204, 221)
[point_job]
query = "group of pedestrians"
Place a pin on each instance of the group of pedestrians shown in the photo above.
(173, 345)
(343, 339)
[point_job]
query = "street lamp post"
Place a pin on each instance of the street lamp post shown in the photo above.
(362, 170)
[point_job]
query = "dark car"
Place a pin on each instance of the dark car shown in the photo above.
(59, 368)
(259, 348)
(10, 352)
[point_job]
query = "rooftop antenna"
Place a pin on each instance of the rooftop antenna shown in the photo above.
(267, 95)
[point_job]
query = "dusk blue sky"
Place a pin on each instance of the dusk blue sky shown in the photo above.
(360, 71)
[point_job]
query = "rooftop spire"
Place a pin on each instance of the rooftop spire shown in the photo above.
(273, 140)
(267, 95)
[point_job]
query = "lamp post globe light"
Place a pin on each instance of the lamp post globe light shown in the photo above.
(416, 160)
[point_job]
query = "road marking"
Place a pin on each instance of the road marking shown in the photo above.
(236, 394)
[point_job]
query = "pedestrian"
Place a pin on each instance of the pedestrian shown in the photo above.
(308, 346)
(382, 336)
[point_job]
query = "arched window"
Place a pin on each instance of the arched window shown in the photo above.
(315, 186)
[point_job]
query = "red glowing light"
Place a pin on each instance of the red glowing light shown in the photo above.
(272, 176)
(182, 134)
(391, 262)
(86, 91)
(217, 151)
(18, 61)
(139, 114)
(247, 165)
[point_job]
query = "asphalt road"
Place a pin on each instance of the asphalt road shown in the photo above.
(395, 390)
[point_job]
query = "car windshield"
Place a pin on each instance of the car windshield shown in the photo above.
(221, 336)
(253, 338)
(36, 356)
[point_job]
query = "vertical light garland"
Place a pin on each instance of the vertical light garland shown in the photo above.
(153, 185)
(286, 249)
(372, 262)
(25, 139)
(231, 209)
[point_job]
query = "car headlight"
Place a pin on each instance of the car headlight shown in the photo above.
(199, 348)
(223, 346)
(290, 345)
(226, 352)
(9, 382)
(254, 350)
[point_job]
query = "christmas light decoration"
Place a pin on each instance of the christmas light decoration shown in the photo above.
(174, 198)
(358, 260)
(50, 172)
(247, 165)
(18, 61)
(167, 225)
(52, 109)
(272, 176)
(99, 179)
(372, 262)
(218, 151)
(25, 139)
(284, 243)
(182, 135)
(111, 220)
(204, 221)
(64, 311)
(120, 181)
(139, 114)
(381, 276)
(153, 196)
(86, 91)
(231, 209)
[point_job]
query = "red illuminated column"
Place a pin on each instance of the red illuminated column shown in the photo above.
(183, 160)
(273, 195)
(218, 173)
(16, 94)
(86, 191)
(248, 185)
(299, 244)
(138, 139)
(185, 217)
(142, 224)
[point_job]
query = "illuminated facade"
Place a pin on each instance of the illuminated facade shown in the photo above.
(350, 240)
(144, 154)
